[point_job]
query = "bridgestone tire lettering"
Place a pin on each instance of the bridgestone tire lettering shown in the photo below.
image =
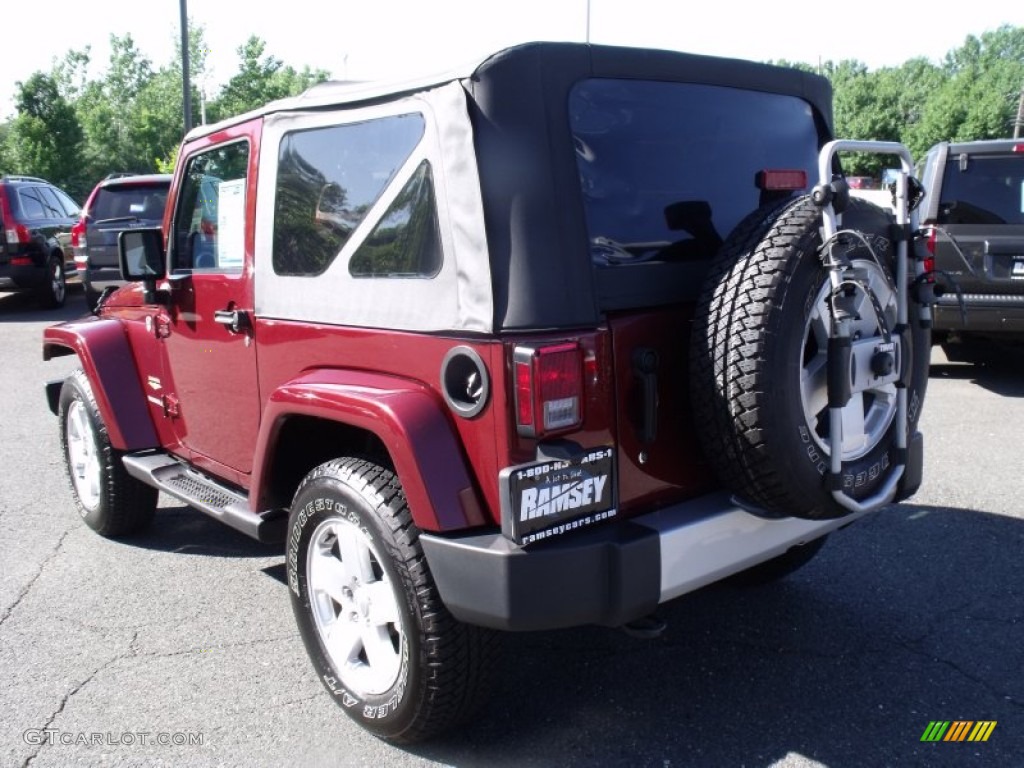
(443, 667)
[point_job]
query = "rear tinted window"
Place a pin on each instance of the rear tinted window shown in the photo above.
(987, 190)
(644, 146)
(142, 202)
(32, 205)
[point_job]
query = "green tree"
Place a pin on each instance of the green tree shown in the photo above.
(261, 78)
(71, 73)
(106, 110)
(881, 105)
(5, 130)
(45, 138)
(157, 123)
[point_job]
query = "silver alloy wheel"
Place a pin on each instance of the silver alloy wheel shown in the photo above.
(867, 416)
(355, 607)
(83, 456)
(57, 284)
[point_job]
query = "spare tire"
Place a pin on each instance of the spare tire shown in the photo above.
(757, 368)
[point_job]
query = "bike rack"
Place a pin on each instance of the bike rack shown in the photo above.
(840, 339)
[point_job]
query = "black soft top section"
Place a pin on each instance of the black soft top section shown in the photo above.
(540, 260)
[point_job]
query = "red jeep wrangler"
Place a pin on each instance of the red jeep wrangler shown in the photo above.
(544, 343)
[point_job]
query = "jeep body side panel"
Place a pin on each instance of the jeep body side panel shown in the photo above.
(106, 355)
(287, 351)
(409, 421)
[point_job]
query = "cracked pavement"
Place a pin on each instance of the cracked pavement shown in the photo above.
(913, 615)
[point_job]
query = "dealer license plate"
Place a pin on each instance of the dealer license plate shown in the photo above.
(548, 498)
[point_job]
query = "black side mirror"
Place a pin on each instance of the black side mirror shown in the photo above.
(141, 258)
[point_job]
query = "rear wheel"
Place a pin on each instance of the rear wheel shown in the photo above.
(53, 291)
(369, 614)
(759, 362)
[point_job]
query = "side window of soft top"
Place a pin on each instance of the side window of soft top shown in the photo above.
(209, 222)
(328, 179)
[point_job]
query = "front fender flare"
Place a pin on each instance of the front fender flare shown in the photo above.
(407, 418)
(104, 350)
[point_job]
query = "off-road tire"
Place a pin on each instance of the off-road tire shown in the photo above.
(443, 666)
(751, 329)
(110, 501)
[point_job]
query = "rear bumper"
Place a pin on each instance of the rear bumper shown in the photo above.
(986, 313)
(612, 574)
(21, 276)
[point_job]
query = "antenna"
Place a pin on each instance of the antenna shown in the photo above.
(588, 22)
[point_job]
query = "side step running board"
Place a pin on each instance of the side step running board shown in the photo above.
(206, 494)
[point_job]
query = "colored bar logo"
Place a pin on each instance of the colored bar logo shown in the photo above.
(959, 730)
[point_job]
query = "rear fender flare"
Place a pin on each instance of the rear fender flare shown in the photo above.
(408, 419)
(103, 348)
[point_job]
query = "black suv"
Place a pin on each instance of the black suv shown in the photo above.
(35, 228)
(974, 200)
(119, 202)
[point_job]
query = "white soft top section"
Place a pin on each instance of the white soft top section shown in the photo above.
(457, 299)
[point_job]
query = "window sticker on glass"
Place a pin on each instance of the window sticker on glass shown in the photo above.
(231, 224)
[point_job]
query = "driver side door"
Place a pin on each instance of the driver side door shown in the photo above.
(210, 383)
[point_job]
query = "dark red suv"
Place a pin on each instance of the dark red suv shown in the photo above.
(547, 342)
(35, 228)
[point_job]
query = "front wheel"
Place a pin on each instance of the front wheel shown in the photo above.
(369, 614)
(111, 502)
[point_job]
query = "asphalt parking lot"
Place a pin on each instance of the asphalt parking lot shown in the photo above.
(178, 647)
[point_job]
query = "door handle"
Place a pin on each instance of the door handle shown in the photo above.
(645, 371)
(235, 320)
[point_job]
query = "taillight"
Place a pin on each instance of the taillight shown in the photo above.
(18, 234)
(780, 180)
(78, 234)
(549, 388)
(15, 233)
(931, 244)
(1018, 147)
(5, 214)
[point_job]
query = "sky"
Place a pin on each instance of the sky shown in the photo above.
(386, 39)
